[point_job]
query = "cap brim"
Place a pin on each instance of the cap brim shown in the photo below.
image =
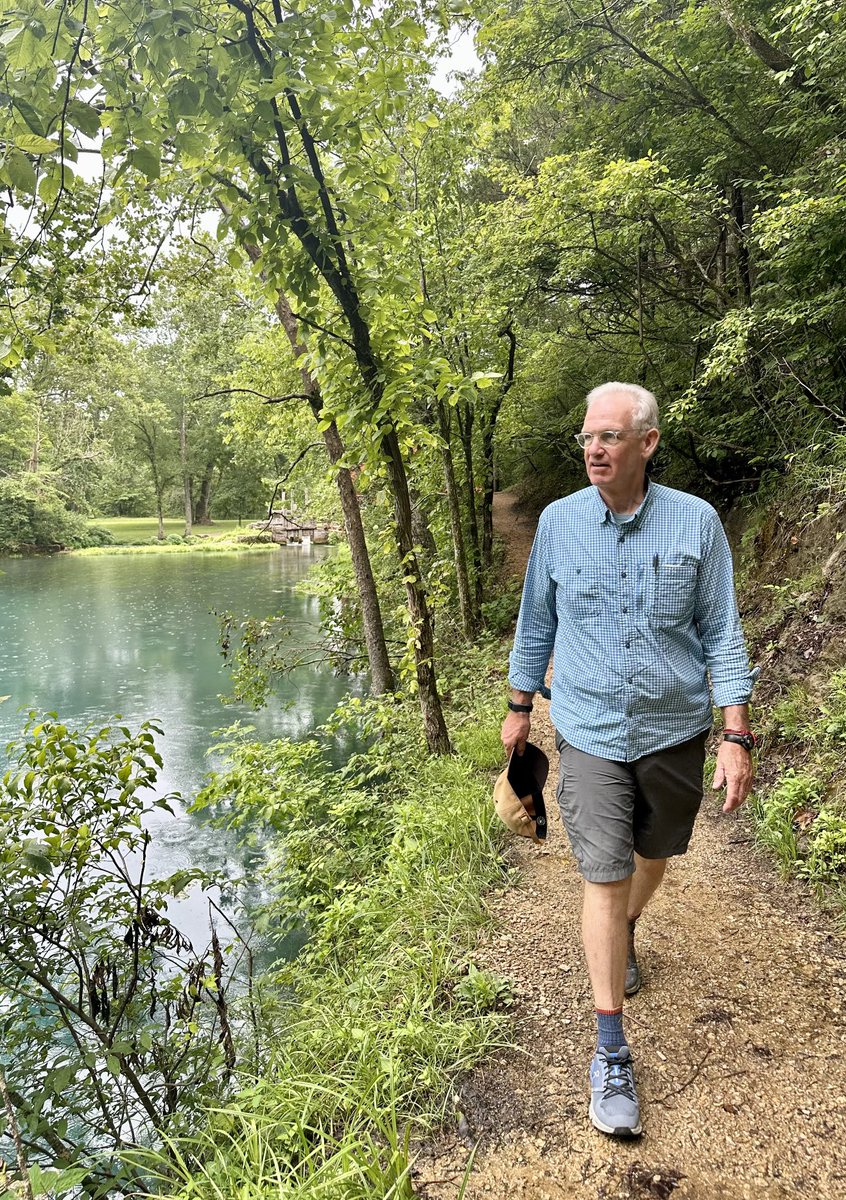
(513, 810)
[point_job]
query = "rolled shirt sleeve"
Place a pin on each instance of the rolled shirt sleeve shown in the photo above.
(718, 621)
(537, 623)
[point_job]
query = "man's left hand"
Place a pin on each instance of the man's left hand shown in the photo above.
(735, 772)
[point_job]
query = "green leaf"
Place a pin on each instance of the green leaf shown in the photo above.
(191, 145)
(185, 98)
(147, 159)
(30, 51)
(33, 143)
(20, 173)
(39, 863)
(48, 188)
(84, 117)
(113, 1063)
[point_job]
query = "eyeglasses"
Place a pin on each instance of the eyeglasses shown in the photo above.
(606, 437)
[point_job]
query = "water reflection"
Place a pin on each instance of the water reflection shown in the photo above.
(136, 635)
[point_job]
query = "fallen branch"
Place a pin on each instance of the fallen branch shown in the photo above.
(690, 1079)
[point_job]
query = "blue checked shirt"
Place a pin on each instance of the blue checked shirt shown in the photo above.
(639, 616)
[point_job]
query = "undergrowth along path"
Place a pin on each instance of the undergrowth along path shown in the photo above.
(739, 1033)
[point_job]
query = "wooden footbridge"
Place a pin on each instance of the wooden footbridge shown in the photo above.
(287, 528)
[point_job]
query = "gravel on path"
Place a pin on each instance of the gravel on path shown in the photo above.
(738, 1034)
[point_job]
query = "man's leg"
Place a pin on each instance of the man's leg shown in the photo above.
(648, 874)
(614, 1106)
(596, 797)
(604, 932)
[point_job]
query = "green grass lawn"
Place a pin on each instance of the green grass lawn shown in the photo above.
(138, 530)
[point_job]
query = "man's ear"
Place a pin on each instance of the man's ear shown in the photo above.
(650, 443)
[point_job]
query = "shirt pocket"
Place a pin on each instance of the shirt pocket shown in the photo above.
(674, 593)
(582, 592)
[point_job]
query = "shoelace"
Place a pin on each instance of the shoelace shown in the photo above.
(620, 1077)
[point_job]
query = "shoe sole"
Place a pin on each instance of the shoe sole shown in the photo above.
(620, 1131)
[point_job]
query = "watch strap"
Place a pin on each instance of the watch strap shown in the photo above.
(747, 740)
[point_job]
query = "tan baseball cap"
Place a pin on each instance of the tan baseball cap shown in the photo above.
(518, 793)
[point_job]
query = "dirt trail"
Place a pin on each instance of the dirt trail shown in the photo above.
(739, 1033)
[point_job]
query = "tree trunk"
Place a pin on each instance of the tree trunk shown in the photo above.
(421, 528)
(186, 478)
(160, 510)
(381, 675)
(469, 617)
(434, 726)
(741, 244)
(202, 513)
(488, 433)
(465, 429)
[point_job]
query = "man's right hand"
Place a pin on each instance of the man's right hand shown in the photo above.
(515, 731)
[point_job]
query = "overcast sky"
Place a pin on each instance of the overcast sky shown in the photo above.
(462, 57)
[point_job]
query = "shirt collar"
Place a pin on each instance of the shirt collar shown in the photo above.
(603, 513)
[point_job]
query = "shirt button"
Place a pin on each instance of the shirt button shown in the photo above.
(622, 574)
(625, 608)
(628, 644)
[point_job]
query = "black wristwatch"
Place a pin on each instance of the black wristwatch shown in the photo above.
(521, 708)
(746, 738)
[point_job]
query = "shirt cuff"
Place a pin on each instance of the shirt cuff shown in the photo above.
(525, 683)
(735, 691)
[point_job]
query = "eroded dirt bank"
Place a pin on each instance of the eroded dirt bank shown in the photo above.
(739, 1033)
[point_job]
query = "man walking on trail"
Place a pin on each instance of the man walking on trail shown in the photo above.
(631, 585)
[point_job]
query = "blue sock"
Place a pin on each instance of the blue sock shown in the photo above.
(609, 1027)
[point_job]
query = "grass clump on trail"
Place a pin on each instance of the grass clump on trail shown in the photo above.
(384, 861)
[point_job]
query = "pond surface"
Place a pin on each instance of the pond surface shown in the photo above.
(136, 635)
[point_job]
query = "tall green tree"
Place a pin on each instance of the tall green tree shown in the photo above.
(239, 97)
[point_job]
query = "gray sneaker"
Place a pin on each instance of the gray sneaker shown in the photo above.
(633, 976)
(614, 1106)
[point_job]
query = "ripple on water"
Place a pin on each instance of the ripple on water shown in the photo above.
(91, 637)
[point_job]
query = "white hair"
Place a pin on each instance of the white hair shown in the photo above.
(644, 404)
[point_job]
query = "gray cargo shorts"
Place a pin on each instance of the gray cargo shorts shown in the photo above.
(612, 809)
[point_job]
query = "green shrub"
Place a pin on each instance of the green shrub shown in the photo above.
(824, 864)
(33, 518)
(386, 861)
(96, 535)
(791, 719)
(499, 611)
(776, 811)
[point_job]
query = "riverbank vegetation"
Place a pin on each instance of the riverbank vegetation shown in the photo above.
(138, 531)
(312, 1079)
(297, 264)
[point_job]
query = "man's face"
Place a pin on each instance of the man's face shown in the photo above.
(618, 467)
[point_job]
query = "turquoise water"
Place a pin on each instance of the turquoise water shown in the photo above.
(135, 635)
